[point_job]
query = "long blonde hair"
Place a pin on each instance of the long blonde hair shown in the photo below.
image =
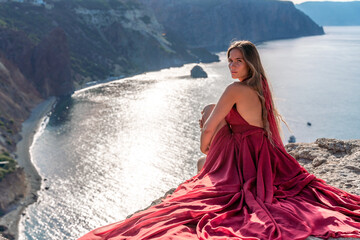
(256, 73)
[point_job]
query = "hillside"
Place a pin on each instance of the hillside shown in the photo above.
(332, 13)
(105, 38)
(212, 24)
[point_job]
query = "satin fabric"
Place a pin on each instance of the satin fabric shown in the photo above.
(247, 189)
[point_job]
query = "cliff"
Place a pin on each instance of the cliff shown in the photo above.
(12, 188)
(332, 13)
(212, 24)
(335, 161)
(45, 65)
(105, 39)
(17, 97)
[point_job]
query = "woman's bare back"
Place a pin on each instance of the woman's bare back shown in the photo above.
(249, 105)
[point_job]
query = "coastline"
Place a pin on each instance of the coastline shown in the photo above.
(23, 158)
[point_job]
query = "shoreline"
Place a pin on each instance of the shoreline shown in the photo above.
(33, 180)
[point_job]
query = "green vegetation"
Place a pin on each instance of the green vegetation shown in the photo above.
(88, 68)
(7, 125)
(34, 38)
(20, 16)
(3, 23)
(7, 165)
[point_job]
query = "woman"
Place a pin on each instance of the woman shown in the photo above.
(249, 186)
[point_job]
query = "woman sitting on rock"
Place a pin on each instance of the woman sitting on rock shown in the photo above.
(249, 186)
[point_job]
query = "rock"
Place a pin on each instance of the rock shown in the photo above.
(318, 161)
(51, 71)
(45, 65)
(198, 72)
(12, 187)
(336, 146)
(335, 161)
(18, 95)
(6, 236)
(3, 228)
(292, 139)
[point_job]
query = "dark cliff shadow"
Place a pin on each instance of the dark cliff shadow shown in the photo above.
(62, 110)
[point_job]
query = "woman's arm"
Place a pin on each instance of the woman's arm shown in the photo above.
(222, 108)
(205, 113)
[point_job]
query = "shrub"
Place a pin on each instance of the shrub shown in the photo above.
(8, 166)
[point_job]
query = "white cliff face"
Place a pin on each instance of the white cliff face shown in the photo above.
(135, 19)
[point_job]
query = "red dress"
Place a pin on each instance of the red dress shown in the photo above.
(247, 189)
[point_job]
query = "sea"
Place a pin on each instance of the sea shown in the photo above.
(112, 148)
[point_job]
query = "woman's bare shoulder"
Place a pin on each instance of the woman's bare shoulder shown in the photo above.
(241, 89)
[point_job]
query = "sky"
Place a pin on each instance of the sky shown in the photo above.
(301, 1)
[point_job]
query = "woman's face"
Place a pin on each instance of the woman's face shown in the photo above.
(237, 65)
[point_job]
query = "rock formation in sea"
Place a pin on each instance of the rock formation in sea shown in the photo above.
(198, 72)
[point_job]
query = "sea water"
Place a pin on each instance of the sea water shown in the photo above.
(111, 149)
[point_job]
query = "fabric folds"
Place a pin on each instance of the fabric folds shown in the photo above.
(247, 189)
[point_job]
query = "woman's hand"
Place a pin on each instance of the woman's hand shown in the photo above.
(204, 150)
(205, 113)
(201, 123)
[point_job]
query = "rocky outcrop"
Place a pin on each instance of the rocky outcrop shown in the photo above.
(335, 161)
(50, 71)
(17, 97)
(29, 73)
(214, 24)
(46, 65)
(198, 72)
(12, 187)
